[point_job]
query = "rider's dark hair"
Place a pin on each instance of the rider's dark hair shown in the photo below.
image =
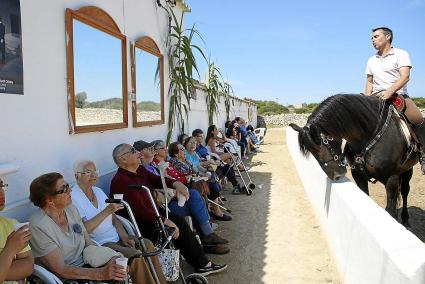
(387, 31)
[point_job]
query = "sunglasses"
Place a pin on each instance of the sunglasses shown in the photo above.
(132, 151)
(64, 189)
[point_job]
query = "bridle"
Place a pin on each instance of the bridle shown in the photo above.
(337, 157)
(359, 159)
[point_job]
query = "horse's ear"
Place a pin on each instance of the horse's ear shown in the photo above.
(295, 127)
(314, 134)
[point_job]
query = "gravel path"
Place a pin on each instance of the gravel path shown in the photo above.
(274, 236)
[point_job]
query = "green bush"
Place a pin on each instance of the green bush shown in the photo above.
(268, 107)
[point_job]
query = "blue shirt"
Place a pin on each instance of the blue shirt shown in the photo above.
(202, 151)
(193, 159)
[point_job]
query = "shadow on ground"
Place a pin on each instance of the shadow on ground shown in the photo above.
(246, 233)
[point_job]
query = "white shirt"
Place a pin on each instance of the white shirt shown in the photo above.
(106, 231)
(386, 69)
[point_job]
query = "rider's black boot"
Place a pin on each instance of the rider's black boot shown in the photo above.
(420, 133)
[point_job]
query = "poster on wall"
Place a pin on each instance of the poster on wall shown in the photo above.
(11, 67)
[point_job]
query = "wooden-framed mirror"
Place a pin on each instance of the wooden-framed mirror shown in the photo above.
(97, 72)
(147, 83)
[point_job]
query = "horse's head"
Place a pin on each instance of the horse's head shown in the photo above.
(325, 149)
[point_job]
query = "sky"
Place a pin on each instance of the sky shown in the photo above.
(106, 82)
(304, 51)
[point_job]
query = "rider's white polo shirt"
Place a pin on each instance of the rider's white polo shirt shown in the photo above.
(385, 69)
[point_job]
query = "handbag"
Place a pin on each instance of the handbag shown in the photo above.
(170, 263)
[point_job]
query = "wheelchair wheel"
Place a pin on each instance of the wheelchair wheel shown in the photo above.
(196, 279)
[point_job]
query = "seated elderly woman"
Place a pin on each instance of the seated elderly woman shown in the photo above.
(194, 206)
(183, 168)
(194, 146)
(59, 237)
(16, 258)
(103, 225)
(212, 141)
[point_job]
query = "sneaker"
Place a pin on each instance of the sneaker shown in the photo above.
(236, 190)
(214, 268)
(221, 218)
(213, 239)
(216, 249)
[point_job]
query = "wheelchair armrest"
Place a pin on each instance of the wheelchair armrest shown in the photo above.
(45, 275)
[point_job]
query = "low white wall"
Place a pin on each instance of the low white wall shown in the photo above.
(368, 244)
(34, 130)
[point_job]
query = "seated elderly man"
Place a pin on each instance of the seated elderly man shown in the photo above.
(16, 260)
(60, 241)
(131, 172)
(103, 225)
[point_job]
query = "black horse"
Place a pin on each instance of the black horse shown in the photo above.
(374, 145)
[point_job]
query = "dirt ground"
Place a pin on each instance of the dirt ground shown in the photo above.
(274, 236)
(415, 201)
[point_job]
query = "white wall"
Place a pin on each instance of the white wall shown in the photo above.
(34, 127)
(368, 244)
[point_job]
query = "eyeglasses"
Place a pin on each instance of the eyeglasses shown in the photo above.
(89, 173)
(64, 189)
(191, 142)
(132, 151)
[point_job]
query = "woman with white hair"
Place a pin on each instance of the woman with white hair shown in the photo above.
(103, 225)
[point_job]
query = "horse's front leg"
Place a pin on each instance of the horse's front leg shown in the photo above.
(361, 179)
(392, 186)
(404, 189)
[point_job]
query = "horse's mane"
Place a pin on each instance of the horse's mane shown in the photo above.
(345, 115)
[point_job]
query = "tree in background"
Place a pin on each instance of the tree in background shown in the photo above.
(80, 100)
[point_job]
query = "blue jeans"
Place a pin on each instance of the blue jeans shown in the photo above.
(194, 207)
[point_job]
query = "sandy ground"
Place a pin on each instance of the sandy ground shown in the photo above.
(415, 201)
(274, 236)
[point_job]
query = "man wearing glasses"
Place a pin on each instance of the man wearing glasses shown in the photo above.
(16, 260)
(131, 172)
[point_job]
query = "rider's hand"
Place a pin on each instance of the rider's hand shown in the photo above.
(384, 95)
(170, 224)
(18, 240)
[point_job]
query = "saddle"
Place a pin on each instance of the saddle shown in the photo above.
(399, 104)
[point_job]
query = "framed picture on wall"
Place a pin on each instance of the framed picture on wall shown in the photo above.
(11, 67)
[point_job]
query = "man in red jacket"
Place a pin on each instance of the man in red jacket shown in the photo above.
(131, 172)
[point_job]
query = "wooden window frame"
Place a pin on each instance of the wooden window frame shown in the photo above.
(100, 20)
(148, 45)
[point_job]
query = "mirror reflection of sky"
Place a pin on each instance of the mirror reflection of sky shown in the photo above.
(97, 63)
(147, 88)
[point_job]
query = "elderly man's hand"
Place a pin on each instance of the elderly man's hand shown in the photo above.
(181, 189)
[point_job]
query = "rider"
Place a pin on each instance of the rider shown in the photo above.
(388, 72)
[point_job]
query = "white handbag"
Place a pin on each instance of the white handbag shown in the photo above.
(170, 263)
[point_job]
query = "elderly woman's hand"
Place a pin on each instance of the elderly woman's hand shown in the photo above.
(114, 207)
(113, 271)
(18, 240)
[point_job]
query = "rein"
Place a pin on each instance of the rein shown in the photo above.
(359, 158)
